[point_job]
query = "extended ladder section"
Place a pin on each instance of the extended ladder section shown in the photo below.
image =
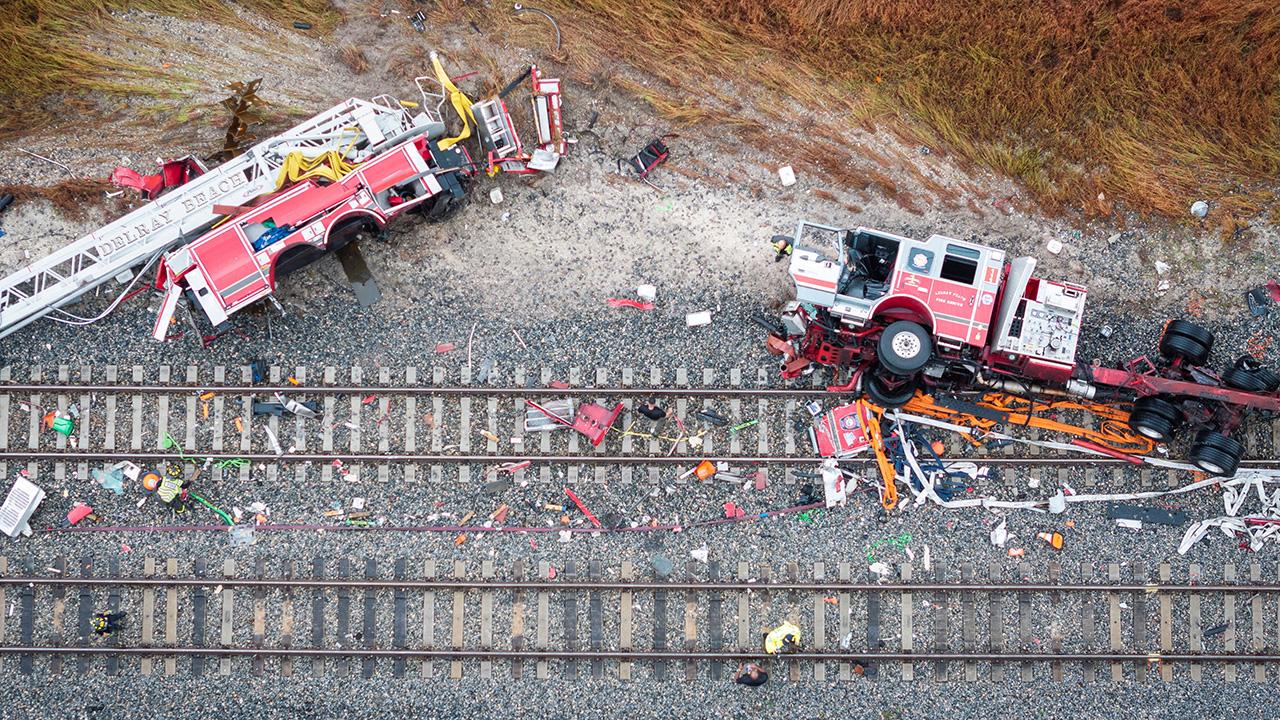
(358, 128)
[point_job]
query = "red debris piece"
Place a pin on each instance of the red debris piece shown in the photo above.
(369, 399)
(443, 348)
(558, 384)
(625, 302)
(733, 511)
(585, 510)
(760, 480)
(78, 513)
(1273, 287)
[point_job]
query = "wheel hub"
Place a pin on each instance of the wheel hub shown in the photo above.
(906, 345)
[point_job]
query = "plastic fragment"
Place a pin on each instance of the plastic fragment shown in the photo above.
(627, 302)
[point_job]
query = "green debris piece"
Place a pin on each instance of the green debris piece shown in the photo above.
(743, 425)
(899, 542)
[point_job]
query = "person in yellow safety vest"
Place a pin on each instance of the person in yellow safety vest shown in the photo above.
(784, 638)
(171, 493)
(781, 247)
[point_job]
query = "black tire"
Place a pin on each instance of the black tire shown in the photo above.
(904, 348)
(1216, 453)
(1242, 379)
(1266, 377)
(879, 394)
(1155, 417)
(1186, 341)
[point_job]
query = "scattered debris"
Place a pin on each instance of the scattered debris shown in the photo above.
(1217, 630)
(79, 512)
(1258, 302)
(1141, 514)
(662, 567)
(650, 157)
(41, 157)
(585, 511)
(626, 302)
(1000, 534)
(1053, 539)
(698, 319)
(241, 536)
(112, 479)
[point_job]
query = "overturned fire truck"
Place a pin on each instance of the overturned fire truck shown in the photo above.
(942, 324)
(223, 237)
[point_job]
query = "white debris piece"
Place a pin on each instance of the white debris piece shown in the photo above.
(698, 319)
(647, 293)
(21, 502)
(357, 503)
(1000, 534)
(1128, 523)
(1054, 246)
(1200, 208)
(701, 554)
(495, 195)
(880, 569)
(1162, 267)
(1058, 503)
(787, 176)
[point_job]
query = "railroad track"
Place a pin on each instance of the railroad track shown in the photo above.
(403, 426)
(438, 619)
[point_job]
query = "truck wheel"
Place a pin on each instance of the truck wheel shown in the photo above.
(1248, 375)
(1155, 417)
(1216, 453)
(886, 398)
(904, 348)
(1186, 341)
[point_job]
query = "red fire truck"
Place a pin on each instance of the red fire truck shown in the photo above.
(945, 317)
(238, 262)
(223, 236)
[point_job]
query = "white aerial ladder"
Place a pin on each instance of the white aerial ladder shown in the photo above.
(126, 248)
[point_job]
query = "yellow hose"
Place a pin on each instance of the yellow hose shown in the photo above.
(461, 104)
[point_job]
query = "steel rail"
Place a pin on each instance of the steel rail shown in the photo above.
(586, 585)
(177, 389)
(138, 455)
(635, 655)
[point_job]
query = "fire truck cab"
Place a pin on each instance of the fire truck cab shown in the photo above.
(900, 310)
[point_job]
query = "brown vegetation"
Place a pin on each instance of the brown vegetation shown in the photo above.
(1153, 103)
(41, 56)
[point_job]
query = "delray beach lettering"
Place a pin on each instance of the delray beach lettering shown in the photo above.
(201, 200)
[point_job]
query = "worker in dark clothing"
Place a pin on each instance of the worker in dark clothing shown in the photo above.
(781, 247)
(656, 414)
(752, 675)
(105, 623)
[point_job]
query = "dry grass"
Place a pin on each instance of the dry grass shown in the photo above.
(1150, 103)
(45, 50)
(70, 197)
(353, 57)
